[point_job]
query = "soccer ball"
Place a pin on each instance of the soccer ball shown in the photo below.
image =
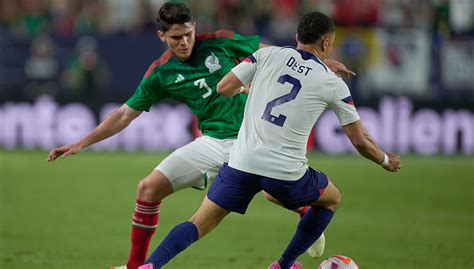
(338, 262)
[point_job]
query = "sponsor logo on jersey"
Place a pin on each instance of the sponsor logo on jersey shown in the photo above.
(212, 63)
(179, 78)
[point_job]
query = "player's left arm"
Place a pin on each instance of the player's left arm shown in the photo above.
(230, 85)
(343, 105)
(368, 147)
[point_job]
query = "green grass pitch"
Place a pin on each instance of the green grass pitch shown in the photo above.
(76, 213)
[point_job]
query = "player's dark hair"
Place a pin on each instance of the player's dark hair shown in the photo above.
(313, 26)
(173, 13)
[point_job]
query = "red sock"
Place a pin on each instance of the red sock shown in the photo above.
(145, 220)
(302, 210)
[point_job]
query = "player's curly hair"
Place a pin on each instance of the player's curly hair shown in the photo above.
(173, 13)
(313, 26)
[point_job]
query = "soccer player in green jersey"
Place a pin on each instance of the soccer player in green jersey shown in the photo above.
(188, 72)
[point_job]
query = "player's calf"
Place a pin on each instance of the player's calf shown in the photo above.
(208, 216)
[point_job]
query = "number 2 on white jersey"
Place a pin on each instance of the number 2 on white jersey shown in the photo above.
(280, 119)
(201, 83)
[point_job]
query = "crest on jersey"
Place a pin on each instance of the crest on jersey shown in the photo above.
(212, 63)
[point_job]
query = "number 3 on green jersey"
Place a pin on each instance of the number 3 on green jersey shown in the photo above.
(201, 83)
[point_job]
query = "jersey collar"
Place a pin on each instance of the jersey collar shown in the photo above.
(308, 56)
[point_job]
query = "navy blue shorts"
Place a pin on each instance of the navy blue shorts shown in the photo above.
(233, 189)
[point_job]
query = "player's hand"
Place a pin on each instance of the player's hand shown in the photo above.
(393, 162)
(339, 68)
(64, 151)
(245, 89)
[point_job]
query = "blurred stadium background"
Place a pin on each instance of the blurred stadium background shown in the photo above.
(66, 64)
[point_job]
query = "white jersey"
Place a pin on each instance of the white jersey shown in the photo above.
(290, 90)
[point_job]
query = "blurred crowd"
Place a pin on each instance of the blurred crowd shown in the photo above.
(268, 17)
(53, 45)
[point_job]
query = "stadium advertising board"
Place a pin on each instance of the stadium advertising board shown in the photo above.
(46, 124)
(395, 124)
(398, 127)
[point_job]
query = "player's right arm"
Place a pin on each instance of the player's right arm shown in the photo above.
(114, 123)
(229, 85)
(242, 74)
(368, 147)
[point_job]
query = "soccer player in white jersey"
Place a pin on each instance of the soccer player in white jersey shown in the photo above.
(291, 88)
(199, 61)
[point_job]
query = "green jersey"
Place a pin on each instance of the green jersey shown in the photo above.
(194, 82)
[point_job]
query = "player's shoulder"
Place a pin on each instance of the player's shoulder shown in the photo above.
(222, 33)
(270, 49)
(267, 51)
(162, 60)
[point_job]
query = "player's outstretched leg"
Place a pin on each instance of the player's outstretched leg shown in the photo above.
(316, 250)
(150, 191)
(311, 226)
(207, 217)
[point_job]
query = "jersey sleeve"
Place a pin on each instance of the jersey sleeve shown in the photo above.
(148, 92)
(246, 69)
(343, 104)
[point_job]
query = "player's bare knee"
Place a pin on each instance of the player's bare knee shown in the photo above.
(330, 199)
(334, 197)
(142, 191)
(336, 200)
(154, 187)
